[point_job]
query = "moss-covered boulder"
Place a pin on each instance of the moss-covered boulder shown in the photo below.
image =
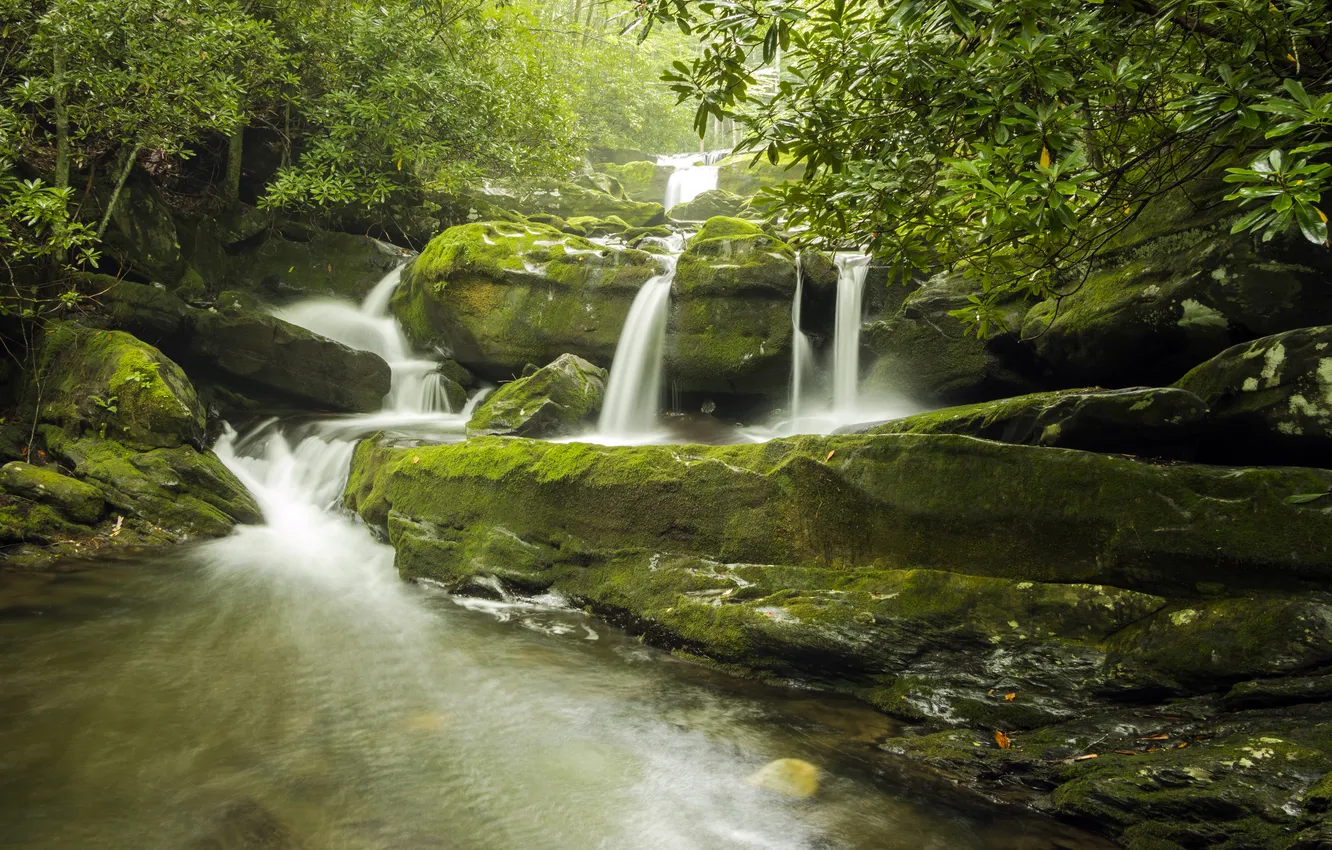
(1176, 290)
(182, 491)
(1270, 399)
(141, 236)
(642, 181)
(558, 399)
(1160, 422)
(112, 385)
(730, 321)
(709, 204)
(593, 226)
(742, 175)
(1209, 645)
(925, 354)
(497, 296)
(892, 501)
(569, 200)
(81, 502)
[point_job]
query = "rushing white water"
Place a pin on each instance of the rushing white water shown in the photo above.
(633, 392)
(688, 180)
(802, 353)
(417, 386)
(851, 272)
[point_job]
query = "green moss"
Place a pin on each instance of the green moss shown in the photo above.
(563, 397)
(108, 381)
(80, 502)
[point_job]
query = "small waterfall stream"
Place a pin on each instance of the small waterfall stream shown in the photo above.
(417, 388)
(851, 272)
(688, 181)
(802, 352)
(633, 393)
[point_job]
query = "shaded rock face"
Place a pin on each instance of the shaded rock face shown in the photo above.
(248, 351)
(1160, 422)
(496, 296)
(928, 356)
(280, 268)
(1271, 399)
(1174, 292)
(142, 236)
(559, 399)
(119, 425)
(709, 204)
(619, 156)
(643, 180)
(730, 317)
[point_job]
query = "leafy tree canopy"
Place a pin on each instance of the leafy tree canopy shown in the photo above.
(1015, 139)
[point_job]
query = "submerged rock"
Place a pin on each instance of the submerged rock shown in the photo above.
(789, 777)
(1270, 399)
(1161, 422)
(497, 296)
(559, 399)
(730, 320)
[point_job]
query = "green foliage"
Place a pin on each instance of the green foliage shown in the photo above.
(1015, 140)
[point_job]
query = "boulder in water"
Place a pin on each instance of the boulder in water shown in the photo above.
(642, 181)
(789, 777)
(1270, 399)
(730, 321)
(498, 296)
(709, 204)
(559, 399)
(1157, 422)
(81, 502)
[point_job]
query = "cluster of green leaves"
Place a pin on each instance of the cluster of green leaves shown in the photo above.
(1015, 140)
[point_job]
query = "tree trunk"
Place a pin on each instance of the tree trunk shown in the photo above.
(120, 185)
(61, 121)
(235, 150)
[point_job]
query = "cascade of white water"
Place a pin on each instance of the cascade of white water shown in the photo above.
(688, 180)
(633, 393)
(851, 272)
(417, 386)
(802, 353)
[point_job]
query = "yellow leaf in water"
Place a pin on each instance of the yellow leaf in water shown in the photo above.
(1004, 742)
(1045, 157)
(1009, 697)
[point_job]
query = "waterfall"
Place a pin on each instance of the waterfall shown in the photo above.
(633, 393)
(417, 386)
(688, 180)
(802, 354)
(851, 271)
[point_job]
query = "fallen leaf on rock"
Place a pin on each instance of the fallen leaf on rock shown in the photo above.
(1087, 756)
(1004, 742)
(1125, 752)
(1009, 697)
(416, 459)
(830, 454)
(1161, 737)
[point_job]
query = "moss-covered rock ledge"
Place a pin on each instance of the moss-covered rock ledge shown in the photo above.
(942, 578)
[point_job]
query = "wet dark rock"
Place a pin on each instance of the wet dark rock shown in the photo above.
(1270, 399)
(1286, 690)
(1160, 422)
(561, 398)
